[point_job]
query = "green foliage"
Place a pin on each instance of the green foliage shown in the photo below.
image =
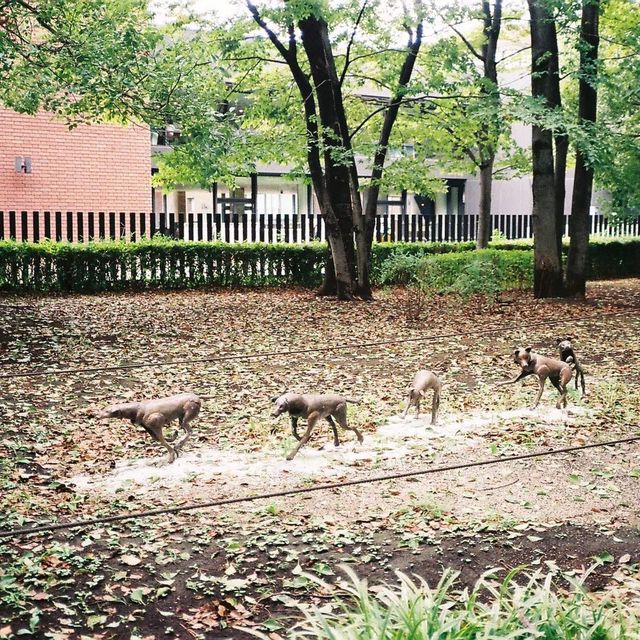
(171, 264)
(485, 272)
(520, 606)
(83, 59)
(618, 162)
(398, 263)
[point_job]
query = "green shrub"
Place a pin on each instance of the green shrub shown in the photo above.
(399, 256)
(486, 272)
(399, 268)
(519, 607)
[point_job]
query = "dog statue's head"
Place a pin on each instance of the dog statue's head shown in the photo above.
(564, 344)
(112, 411)
(281, 405)
(522, 356)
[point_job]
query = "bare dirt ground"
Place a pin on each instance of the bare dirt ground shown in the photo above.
(198, 573)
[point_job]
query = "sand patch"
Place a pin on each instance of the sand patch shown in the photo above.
(394, 440)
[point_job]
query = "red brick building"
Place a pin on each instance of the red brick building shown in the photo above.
(44, 166)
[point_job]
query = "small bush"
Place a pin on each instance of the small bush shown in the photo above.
(399, 268)
(486, 272)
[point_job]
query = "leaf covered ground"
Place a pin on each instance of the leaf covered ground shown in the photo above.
(194, 574)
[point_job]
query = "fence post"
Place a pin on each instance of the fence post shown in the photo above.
(209, 219)
(132, 226)
(190, 225)
(123, 226)
(91, 226)
(253, 218)
(24, 230)
(12, 225)
(80, 222)
(70, 226)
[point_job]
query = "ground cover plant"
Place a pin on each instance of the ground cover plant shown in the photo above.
(519, 605)
(210, 572)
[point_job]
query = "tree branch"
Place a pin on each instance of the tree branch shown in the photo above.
(347, 62)
(391, 114)
(284, 52)
(390, 104)
(471, 48)
(514, 53)
(245, 58)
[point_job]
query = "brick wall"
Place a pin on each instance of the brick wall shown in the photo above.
(91, 168)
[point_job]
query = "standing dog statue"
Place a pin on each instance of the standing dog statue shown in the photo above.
(154, 415)
(422, 382)
(534, 364)
(313, 407)
(568, 355)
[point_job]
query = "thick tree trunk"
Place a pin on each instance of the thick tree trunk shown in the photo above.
(335, 176)
(338, 175)
(583, 183)
(339, 277)
(547, 259)
(483, 235)
(547, 274)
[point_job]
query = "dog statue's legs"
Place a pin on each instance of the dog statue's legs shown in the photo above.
(294, 427)
(336, 440)
(191, 411)
(404, 415)
(435, 406)
(154, 424)
(311, 422)
(340, 415)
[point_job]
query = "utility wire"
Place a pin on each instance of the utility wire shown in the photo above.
(325, 348)
(82, 524)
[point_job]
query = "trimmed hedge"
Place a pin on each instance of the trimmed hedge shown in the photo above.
(608, 258)
(169, 264)
(157, 263)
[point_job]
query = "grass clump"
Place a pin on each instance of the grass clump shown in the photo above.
(518, 607)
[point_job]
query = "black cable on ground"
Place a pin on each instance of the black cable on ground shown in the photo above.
(22, 531)
(340, 347)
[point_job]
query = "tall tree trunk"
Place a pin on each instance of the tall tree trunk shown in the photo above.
(583, 182)
(335, 180)
(547, 260)
(324, 106)
(560, 141)
(483, 235)
(339, 176)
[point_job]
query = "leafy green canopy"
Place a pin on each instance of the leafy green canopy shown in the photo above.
(442, 124)
(83, 59)
(618, 164)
